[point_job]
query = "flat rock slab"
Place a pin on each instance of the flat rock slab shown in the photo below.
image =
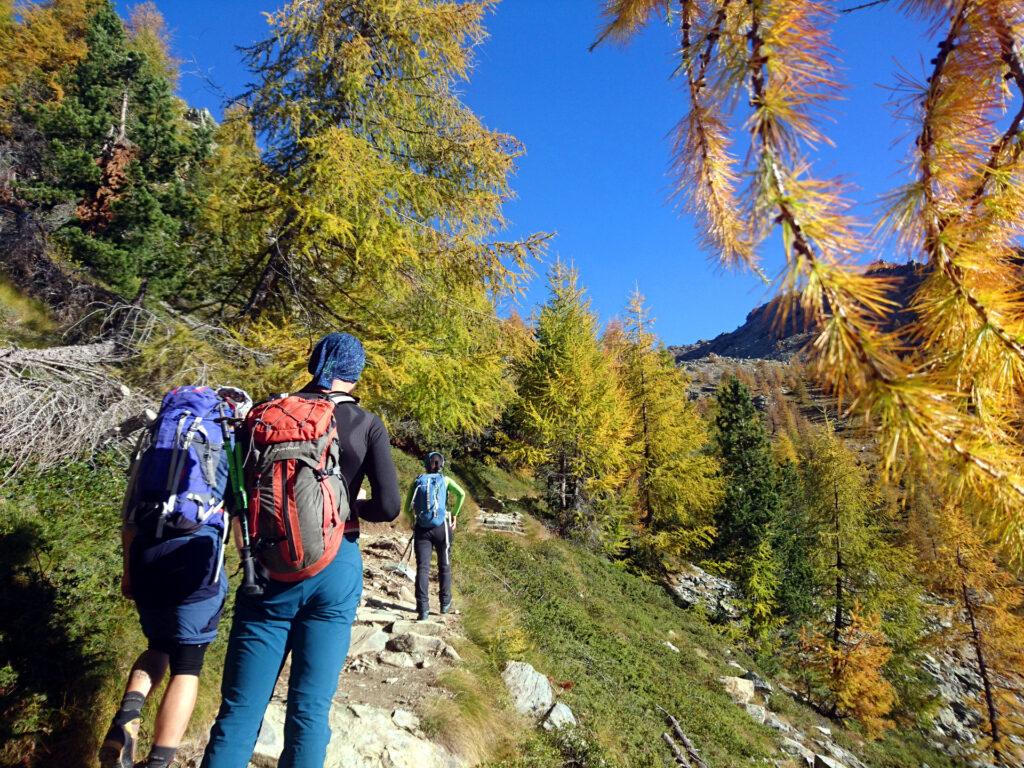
(367, 638)
(405, 626)
(367, 615)
(530, 690)
(363, 737)
(393, 659)
(796, 749)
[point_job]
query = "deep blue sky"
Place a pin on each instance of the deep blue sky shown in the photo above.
(595, 127)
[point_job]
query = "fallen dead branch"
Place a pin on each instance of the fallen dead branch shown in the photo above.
(60, 403)
(691, 757)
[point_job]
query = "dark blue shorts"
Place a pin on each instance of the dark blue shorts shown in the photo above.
(179, 585)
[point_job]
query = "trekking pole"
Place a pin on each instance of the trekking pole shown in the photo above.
(250, 586)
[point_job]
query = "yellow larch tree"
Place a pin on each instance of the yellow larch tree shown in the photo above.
(987, 622)
(950, 388)
(675, 479)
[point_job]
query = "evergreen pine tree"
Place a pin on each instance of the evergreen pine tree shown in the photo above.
(751, 501)
(748, 516)
(793, 542)
(117, 147)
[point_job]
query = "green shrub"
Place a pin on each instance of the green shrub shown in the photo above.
(67, 637)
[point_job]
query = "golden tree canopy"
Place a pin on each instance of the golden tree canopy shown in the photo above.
(949, 387)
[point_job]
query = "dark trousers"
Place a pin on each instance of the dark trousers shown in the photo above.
(427, 540)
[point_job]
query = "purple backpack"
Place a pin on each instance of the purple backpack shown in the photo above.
(179, 482)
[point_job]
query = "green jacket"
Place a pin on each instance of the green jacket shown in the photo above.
(454, 489)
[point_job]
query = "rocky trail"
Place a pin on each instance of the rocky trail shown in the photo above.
(391, 673)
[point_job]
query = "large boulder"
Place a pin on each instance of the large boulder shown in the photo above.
(363, 737)
(530, 690)
(740, 690)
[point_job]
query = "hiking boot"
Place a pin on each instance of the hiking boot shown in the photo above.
(118, 750)
(423, 616)
(447, 607)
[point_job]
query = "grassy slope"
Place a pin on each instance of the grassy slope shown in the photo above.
(67, 639)
(585, 621)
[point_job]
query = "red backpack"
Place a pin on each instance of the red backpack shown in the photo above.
(298, 502)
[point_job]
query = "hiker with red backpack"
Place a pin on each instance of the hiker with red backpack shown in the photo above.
(173, 537)
(307, 455)
(434, 530)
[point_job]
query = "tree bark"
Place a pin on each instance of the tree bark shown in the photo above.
(977, 643)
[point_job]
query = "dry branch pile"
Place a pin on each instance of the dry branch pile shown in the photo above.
(59, 403)
(62, 402)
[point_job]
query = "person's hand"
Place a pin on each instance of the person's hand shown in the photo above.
(126, 585)
(455, 523)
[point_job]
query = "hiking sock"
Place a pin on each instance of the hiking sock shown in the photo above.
(118, 750)
(160, 757)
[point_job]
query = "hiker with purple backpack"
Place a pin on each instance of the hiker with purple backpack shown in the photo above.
(173, 535)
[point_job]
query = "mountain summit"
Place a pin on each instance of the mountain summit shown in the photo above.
(763, 337)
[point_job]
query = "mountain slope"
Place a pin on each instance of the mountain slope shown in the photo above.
(763, 337)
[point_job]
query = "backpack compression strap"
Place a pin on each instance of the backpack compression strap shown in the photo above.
(352, 523)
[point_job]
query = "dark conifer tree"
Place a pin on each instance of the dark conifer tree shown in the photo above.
(119, 149)
(751, 499)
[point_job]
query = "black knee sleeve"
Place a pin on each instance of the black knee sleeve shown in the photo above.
(184, 659)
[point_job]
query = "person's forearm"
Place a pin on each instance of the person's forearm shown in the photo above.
(459, 494)
(385, 502)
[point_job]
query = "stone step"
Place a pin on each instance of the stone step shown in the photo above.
(363, 737)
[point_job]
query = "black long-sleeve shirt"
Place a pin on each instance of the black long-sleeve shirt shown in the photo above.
(366, 454)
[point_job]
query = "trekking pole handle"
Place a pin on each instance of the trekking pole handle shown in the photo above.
(250, 586)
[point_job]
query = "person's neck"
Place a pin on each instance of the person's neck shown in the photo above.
(344, 387)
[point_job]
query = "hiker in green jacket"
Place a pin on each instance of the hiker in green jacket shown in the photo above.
(434, 530)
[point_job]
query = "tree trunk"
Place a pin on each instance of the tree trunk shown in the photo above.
(837, 621)
(977, 643)
(645, 484)
(265, 287)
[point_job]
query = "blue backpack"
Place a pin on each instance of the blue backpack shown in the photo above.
(429, 500)
(179, 482)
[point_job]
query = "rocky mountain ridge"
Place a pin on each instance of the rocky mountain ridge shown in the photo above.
(764, 336)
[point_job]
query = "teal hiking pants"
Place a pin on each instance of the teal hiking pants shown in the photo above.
(312, 619)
